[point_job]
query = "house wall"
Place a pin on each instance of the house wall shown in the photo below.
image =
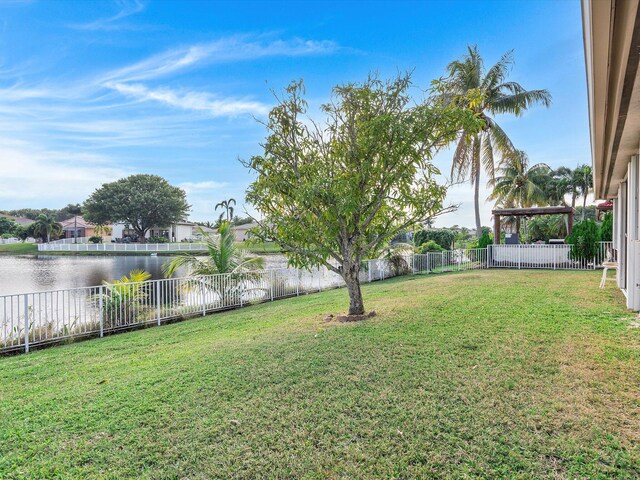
(181, 232)
(626, 235)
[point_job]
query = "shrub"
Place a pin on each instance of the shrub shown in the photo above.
(483, 242)
(95, 239)
(606, 229)
(429, 246)
(442, 236)
(158, 240)
(584, 238)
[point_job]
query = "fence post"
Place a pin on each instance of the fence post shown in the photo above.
(241, 290)
(519, 248)
(204, 303)
(297, 282)
(101, 310)
(271, 280)
(442, 262)
(369, 267)
(26, 324)
(158, 301)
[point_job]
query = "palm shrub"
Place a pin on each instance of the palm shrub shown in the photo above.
(584, 240)
(125, 298)
(46, 227)
(223, 257)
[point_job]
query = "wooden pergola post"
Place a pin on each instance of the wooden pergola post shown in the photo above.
(496, 229)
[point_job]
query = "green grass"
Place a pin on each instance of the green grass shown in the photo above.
(19, 249)
(488, 374)
(259, 247)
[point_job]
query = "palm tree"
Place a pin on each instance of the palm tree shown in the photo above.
(125, 297)
(475, 152)
(560, 184)
(227, 205)
(45, 226)
(583, 181)
(222, 257)
(519, 185)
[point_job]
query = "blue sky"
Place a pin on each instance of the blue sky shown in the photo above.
(92, 91)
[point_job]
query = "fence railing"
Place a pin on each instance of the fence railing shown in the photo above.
(553, 257)
(65, 241)
(9, 241)
(35, 319)
(121, 247)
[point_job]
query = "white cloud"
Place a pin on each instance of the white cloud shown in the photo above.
(190, 187)
(127, 8)
(227, 49)
(190, 100)
(39, 177)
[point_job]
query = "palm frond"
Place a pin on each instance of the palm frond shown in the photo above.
(519, 102)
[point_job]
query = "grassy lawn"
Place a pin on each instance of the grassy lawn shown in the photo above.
(19, 249)
(526, 374)
(259, 247)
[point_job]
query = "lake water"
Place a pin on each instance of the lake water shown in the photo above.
(38, 273)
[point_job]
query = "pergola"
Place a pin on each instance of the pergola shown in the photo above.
(528, 212)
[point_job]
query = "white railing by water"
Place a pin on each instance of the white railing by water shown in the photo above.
(121, 247)
(36, 319)
(30, 320)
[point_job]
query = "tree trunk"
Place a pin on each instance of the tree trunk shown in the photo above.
(476, 200)
(584, 205)
(350, 275)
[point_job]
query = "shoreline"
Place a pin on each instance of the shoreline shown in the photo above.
(30, 249)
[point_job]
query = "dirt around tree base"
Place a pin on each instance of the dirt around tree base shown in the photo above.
(350, 318)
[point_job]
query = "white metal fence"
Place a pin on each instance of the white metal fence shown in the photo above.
(121, 247)
(553, 257)
(36, 319)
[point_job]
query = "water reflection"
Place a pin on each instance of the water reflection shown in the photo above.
(21, 274)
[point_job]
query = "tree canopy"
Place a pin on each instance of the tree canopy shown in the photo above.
(140, 201)
(335, 194)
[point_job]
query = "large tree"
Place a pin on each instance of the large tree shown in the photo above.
(476, 151)
(140, 201)
(334, 195)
